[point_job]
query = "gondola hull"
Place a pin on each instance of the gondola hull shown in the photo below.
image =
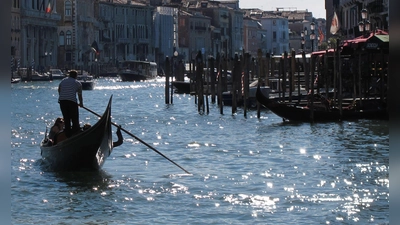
(291, 112)
(87, 150)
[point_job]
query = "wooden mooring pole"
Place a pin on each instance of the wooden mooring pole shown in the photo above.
(199, 82)
(167, 75)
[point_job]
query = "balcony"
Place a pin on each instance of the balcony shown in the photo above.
(40, 15)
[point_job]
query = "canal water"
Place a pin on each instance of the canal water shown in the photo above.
(243, 170)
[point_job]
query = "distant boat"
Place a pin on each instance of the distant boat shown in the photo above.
(15, 80)
(87, 150)
(56, 74)
(33, 75)
(132, 70)
(87, 81)
(39, 77)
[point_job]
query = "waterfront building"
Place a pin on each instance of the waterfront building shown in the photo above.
(77, 33)
(196, 34)
(15, 35)
(38, 34)
(126, 31)
(279, 33)
(221, 18)
(349, 15)
(165, 32)
(254, 36)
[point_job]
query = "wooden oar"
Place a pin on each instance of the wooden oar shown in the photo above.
(152, 148)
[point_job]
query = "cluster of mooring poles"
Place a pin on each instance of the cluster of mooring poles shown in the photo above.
(299, 78)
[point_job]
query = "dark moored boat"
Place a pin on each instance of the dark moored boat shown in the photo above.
(374, 109)
(181, 87)
(87, 150)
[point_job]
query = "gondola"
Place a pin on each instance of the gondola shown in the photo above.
(87, 150)
(372, 109)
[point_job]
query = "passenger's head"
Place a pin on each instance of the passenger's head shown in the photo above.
(59, 121)
(73, 74)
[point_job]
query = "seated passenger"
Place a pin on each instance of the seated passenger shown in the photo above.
(55, 129)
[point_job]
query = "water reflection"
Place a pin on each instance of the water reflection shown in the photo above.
(86, 180)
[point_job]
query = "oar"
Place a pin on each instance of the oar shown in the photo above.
(152, 148)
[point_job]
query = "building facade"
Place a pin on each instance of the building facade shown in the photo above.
(254, 36)
(81, 34)
(278, 33)
(38, 34)
(15, 35)
(165, 32)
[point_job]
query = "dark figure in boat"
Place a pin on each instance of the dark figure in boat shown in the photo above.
(55, 130)
(119, 135)
(57, 133)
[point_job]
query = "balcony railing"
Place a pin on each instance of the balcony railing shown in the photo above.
(40, 14)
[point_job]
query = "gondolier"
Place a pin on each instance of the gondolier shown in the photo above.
(68, 88)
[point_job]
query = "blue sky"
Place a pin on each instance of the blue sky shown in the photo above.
(317, 7)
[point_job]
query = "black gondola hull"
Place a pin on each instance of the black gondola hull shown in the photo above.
(293, 112)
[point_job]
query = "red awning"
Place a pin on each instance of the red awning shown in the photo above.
(331, 50)
(361, 39)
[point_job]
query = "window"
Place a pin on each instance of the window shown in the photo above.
(61, 38)
(68, 8)
(68, 38)
(274, 36)
(68, 57)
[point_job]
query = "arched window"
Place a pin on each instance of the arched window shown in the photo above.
(68, 8)
(68, 38)
(61, 38)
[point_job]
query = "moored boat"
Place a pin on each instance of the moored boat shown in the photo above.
(15, 80)
(181, 87)
(371, 109)
(87, 150)
(56, 74)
